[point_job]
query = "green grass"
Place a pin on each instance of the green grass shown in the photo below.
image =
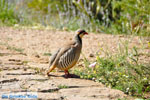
(15, 49)
(47, 54)
(1, 69)
(7, 14)
(11, 48)
(1, 54)
(108, 16)
(62, 86)
(25, 62)
(10, 14)
(119, 71)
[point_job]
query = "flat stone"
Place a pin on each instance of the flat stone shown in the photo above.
(91, 93)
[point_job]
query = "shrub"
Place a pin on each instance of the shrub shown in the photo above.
(120, 71)
(109, 16)
(7, 14)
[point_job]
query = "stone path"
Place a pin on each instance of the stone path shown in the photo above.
(18, 76)
(23, 61)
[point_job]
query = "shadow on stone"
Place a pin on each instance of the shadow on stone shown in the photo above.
(74, 86)
(49, 90)
(9, 80)
(57, 89)
(53, 75)
(20, 74)
(72, 76)
(40, 80)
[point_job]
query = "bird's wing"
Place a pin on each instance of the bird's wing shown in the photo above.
(53, 57)
(70, 44)
(56, 56)
(66, 48)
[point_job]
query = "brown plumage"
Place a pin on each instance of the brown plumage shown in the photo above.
(67, 56)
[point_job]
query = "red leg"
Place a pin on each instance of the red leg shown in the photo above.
(67, 74)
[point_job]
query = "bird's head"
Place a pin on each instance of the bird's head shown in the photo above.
(81, 33)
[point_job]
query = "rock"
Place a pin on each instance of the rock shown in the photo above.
(91, 93)
(91, 55)
(37, 56)
(16, 60)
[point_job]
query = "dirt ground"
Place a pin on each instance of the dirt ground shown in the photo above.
(23, 60)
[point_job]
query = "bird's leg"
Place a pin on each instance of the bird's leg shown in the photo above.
(67, 74)
(51, 68)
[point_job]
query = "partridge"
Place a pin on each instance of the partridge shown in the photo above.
(67, 56)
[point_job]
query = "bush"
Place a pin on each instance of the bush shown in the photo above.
(120, 71)
(110, 16)
(14, 12)
(7, 14)
(131, 16)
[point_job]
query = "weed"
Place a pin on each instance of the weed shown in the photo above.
(47, 54)
(1, 43)
(25, 62)
(11, 48)
(115, 17)
(62, 86)
(1, 54)
(37, 70)
(7, 14)
(120, 71)
(15, 49)
(49, 90)
(109, 16)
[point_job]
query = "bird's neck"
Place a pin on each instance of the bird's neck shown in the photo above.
(78, 39)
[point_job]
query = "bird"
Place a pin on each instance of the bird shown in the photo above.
(67, 56)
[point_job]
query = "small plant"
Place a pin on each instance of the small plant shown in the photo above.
(120, 71)
(62, 86)
(1, 54)
(7, 14)
(1, 69)
(11, 48)
(109, 16)
(15, 49)
(47, 54)
(25, 62)
(37, 70)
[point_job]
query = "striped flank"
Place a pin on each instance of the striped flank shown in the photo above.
(67, 59)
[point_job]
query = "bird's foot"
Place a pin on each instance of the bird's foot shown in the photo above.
(46, 74)
(67, 75)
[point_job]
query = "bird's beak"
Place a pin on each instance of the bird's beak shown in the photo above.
(85, 33)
